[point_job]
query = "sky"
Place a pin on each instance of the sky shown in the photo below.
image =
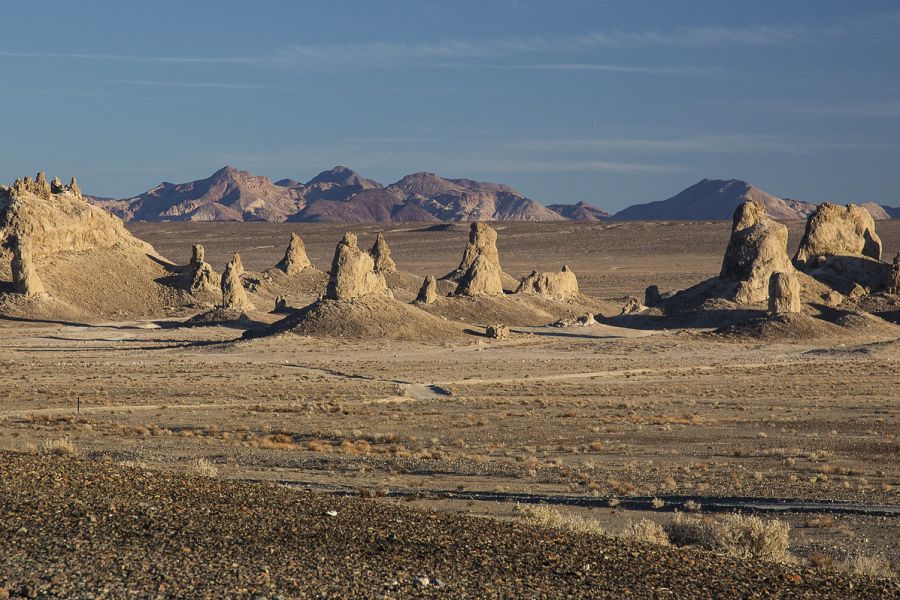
(608, 102)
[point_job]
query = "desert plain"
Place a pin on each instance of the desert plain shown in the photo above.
(607, 424)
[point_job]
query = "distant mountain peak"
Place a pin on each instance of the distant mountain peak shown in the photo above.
(715, 199)
(343, 176)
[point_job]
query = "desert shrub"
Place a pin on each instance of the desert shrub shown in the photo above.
(59, 447)
(542, 515)
(737, 535)
(204, 468)
(870, 566)
(648, 531)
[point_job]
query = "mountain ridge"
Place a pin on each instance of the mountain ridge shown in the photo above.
(340, 194)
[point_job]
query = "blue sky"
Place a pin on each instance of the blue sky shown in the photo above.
(609, 102)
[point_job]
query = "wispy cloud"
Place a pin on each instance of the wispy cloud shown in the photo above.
(387, 54)
(697, 37)
(196, 84)
(530, 166)
(131, 58)
(691, 70)
(725, 143)
(863, 109)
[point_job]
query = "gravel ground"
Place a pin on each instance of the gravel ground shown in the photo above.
(85, 529)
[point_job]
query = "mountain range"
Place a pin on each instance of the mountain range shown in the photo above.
(341, 195)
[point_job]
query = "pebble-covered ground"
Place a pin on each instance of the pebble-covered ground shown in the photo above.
(79, 528)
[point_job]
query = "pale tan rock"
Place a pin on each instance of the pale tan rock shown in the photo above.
(482, 279)
(295, 258)
(497, 331)
(353, 273)
(24, 275)
(428, 291)
(381, 254)
(202, 276)
(482, 241)
(757, 248)
(632, 306)
(559, 286)
(784, 294)
(834, 230)
(234, 297)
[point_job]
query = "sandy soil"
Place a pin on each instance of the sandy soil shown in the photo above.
(599, 420)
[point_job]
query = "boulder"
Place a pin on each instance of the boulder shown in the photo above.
(497, 331)
(281, 305)
(833, 230)
(784, 294)
(234, 297)
(559, 286)
(295, 258)
(757, 248)
(203, 277)
(632, 306)
(428, 292)
(353, 273)
(893, 283)
(381, 254)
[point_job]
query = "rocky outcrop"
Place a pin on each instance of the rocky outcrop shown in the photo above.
(558, 286)
(295, 258)
(834, 230)
(893, 283)
(353, 273)
(381, 254)
(234, 297)
(479, 272)
(784, 294)
(652, 297)
(757, 248)
(497, 331)
(428, 291)
(24, 275)
(202, 276)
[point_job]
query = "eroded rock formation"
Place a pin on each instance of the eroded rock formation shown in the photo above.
(24, 275)
(757, 248)
(381, 254)
(559, 286)
(203, 277)
(428, 291)
(893, 284)
(479, 272)
(353, 273)
(784, 294)
(295, 258)
(834, 230)
(234, 297)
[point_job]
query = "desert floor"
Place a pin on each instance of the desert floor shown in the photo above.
(616, 424)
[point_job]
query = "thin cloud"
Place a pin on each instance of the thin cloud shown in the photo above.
(579, 165)
(130, 58)
(636, 69)
(728, 144)
(196, 84)
(699, 37)
(862, 110)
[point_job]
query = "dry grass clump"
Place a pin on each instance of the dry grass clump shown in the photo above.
(648, 531)
(204, 468)
(59, 447)
(869, 566)
(737, 535)
(541, 515)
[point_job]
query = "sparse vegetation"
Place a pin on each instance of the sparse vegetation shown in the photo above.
(542, 515)
(60, 447)
(648, 531)
(736, 534)
(869, 566)
(204, 468)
